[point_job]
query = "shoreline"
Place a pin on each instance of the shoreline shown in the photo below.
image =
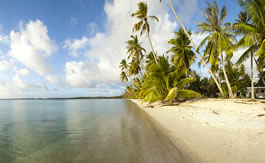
(213, 130)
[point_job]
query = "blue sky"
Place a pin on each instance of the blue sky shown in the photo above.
(67, 48)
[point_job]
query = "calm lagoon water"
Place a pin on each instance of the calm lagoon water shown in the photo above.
(80, 131)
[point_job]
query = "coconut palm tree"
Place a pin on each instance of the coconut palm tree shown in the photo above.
(165, 82)
(123, 77)
(143, 25)
(183, 56)
(124, 65)
(134, 48)
(218, 39)
(128, 70)
(238, 78)
(129, 92)
(195, 47)
(135, 51)
(135, 66)
(254, 32)
(149, 60)
(244, 18)
(124, 69)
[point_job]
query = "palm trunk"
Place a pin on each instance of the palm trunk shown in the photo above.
(194, 46)
(137, 85)
(260, 71)
(219, 80)
(252, 78)
(186, 69)
(154, 54)
(226, 79)
(132, 81)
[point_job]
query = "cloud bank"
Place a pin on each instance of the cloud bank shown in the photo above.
(31, 45)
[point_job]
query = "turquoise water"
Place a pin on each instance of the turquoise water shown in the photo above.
(49, 131)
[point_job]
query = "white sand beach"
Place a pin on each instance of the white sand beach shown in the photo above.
(214, 130)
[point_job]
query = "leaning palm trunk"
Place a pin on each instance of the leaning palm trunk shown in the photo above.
(226, 79)
(218, 78)
(252, 78)
(154, 54)
(136, 85)
(194, 46)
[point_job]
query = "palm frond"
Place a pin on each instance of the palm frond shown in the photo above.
(245, 56)
(261, 51)
(154, 18)
(188, 94)
(183, 82)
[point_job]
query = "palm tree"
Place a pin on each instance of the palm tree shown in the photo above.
(129, 92)
(124, 65)
(238, 78)
(123, 76)
(244, 18)
(135, 51)
(149, 60)
(182, 53)
(165, 82)
(254, 32)
(134, 48)
(143, 25)
(219, 39)
(195, 47)
(135, 66)
(128, 70)
(124, 69)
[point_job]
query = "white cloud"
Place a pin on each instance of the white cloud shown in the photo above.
(162, 33)
(74, 45)
(6, 65)
(246, 63)
(2, 85)
(23, 72)
(31, 45)
(197, 38)
(4, 39)
(25, 85)
(80, 74)
(86, 75)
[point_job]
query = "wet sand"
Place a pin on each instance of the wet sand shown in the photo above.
(214, 130)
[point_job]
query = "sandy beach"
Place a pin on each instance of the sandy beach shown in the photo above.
(214, 130)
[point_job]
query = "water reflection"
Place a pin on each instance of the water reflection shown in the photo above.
(80, 131)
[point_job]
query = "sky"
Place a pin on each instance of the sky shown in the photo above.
(72, 48)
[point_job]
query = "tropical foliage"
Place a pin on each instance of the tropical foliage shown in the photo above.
(165, 82)
(169, 78)
(218, 40)
(238, 78)
(251, 26)
(183, 56)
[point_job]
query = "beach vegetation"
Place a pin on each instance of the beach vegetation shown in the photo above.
(171, 77)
